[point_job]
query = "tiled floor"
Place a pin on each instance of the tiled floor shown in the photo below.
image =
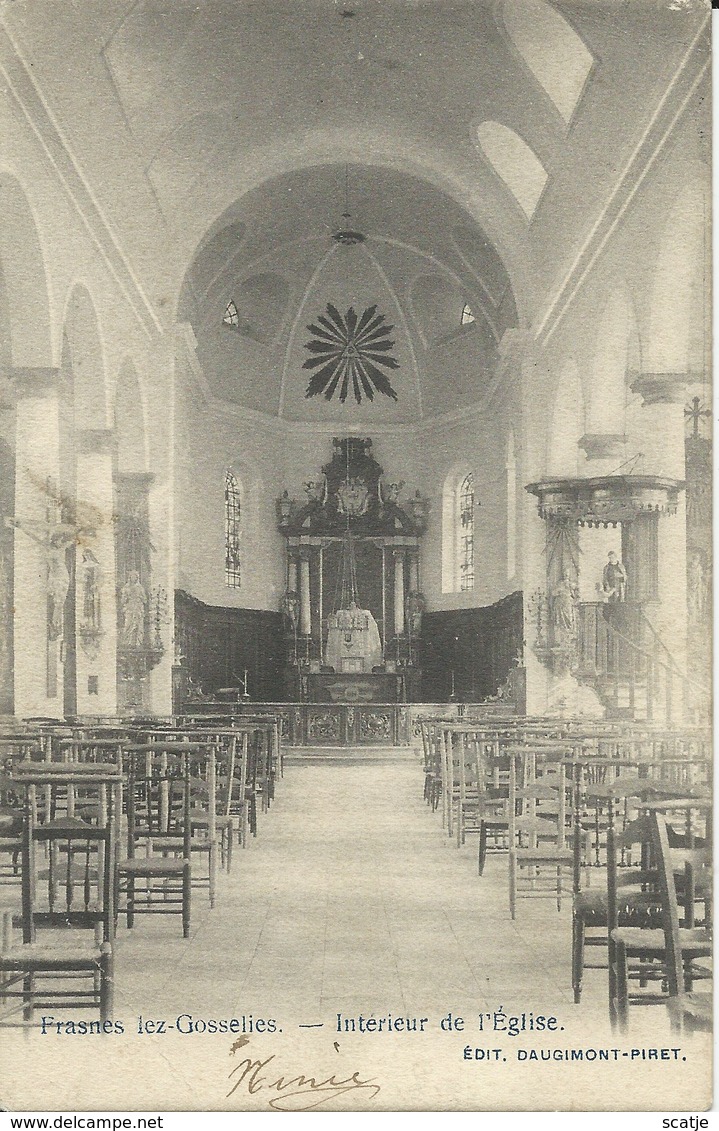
(351, 901)
(352, 898)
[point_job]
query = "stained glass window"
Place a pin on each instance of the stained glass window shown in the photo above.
(231, 317)
(233, 513)
(467, 316)
(465, 548)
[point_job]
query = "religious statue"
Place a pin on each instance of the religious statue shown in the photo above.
(416, 605)
(698, 589)
(315, 489)
(563, 607)
(133, 602)
(290, 608)
(614, 579)
(90, 591)
(391, 492)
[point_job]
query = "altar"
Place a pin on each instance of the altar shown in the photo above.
(349, 687)
(353, 605)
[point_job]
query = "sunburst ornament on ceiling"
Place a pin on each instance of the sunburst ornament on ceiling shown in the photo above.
(347, 352)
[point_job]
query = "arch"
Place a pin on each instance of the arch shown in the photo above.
(25, 278)
(437, 306)
(567, 423)
(614, 357)
(681, 281)
(130, 429)
(88, 370)
(482, 201)
(557, 57)
(458, 508)
(515, 163)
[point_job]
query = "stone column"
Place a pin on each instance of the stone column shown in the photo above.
(292, 574)
(38, 690)
(399, 592)
(663, 396)
(305, 597)
(414, 572)
(95, 595)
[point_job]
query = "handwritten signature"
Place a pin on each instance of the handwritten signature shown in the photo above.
(294, 1093)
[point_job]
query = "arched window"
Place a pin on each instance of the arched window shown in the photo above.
(233, 514)
(231, 317)
(465, 534)
(517, 165)
(458, 506)
(511, 473)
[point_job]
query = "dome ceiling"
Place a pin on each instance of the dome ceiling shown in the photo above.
(421, 261)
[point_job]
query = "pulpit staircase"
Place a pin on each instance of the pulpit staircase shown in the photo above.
(621, 656)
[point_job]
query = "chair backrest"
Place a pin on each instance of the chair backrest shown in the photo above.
(76, 860)
(693, 866)
(159, 793)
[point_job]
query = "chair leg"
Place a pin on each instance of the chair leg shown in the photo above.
(622, 988)
(577, 956)
(28, 997)
(212, 864)
(186, 893)
(107, 984)
(130, 902)
(482, 858)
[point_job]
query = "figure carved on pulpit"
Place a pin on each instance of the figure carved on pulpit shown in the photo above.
(564, 597)
(416, 605)
(614, 579)
(133, 602)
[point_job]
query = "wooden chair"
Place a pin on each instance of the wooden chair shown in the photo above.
(538, 850)
(158, 807)
(67, 888)
(687, 1010)
(637, 953)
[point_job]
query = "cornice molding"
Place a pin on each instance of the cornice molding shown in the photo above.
(23, 86)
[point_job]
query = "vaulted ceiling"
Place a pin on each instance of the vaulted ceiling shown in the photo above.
(476, 141)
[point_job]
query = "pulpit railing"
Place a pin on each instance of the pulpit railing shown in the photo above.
(640, 676)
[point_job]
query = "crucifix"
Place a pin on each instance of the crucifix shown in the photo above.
(695, 414)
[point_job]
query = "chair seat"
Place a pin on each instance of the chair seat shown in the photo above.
(40, 956)
(696, 1009)
(550, 853)
(694, 941)
(641, 910)
(153, 866)
(203, 819)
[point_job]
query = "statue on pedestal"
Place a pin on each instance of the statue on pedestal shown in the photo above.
(563, 608)
(416, 605)
(133, 602)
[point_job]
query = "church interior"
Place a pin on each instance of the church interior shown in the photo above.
(355, 511)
